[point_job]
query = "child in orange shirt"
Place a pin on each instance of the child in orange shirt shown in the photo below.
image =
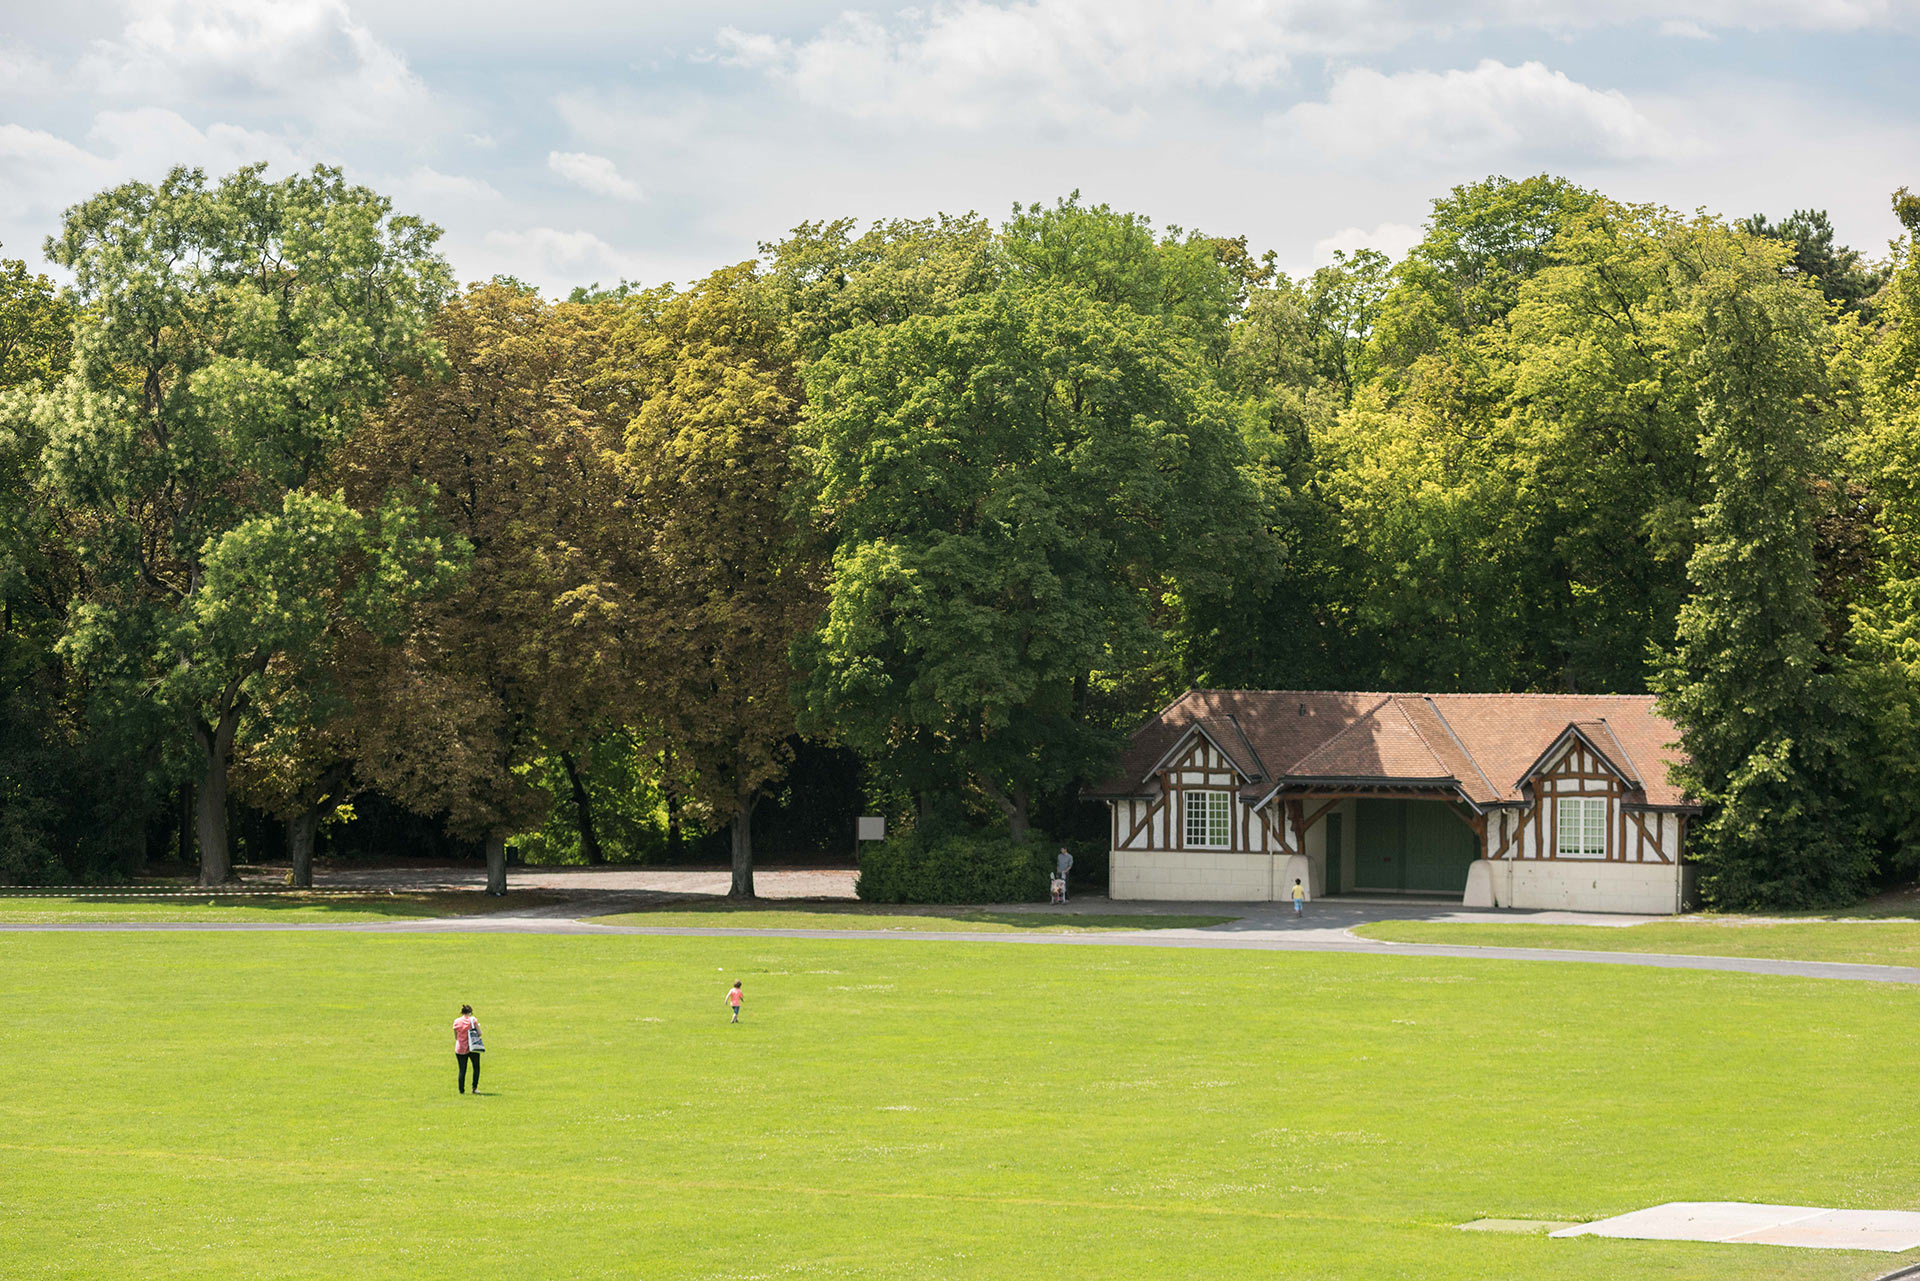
(734, 998)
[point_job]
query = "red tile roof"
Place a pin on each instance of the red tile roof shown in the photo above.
(1484, 744)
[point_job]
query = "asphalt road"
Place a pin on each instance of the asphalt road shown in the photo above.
(1276, 934)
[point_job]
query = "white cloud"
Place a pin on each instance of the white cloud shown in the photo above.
(310, 58)
(593, 173)
(971, 62)
(1487, 116)
(147, 141)
(42, 174)
(24, 73)
(1391, 238)
(1682, 29)
(546, 255)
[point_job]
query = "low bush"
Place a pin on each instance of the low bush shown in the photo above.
(957, 868)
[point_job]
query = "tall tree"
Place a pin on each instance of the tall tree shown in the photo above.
(1769, 719)
(523, 655)
(228, 338)
(1016, 488)
(1841, 274)
(1886, 457)
(731, 578)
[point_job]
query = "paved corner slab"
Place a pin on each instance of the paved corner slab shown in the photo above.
(1890, 1231)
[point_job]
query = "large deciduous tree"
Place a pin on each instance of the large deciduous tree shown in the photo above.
(523, 655)
(228, 338)
(730, 578)
(1886, 629)
(1017, 489)
(1768, 716)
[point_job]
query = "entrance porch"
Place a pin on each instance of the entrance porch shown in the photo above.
(1370, 843)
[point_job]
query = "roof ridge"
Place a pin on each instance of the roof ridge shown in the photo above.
(1461, 744)
(1633, 767)
(1417, 731)
(1259, 765)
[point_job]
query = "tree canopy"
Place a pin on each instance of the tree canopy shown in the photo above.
(935, 510)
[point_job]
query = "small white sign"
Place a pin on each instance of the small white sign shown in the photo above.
(869, 828)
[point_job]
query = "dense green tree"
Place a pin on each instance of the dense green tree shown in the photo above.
(1886, 458)
(1195, 282)
(1483, 242)
(524, 654)
(228, 338)
(1015, 489)
(1770, 720)
(823, 279)
(728, 571)
(1841, 274)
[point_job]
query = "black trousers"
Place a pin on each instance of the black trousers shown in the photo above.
(463, 1072)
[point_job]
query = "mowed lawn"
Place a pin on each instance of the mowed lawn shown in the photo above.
(220, 1105)
(1866, 942)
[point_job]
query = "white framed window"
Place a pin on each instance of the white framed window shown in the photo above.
(1209, 820)
(1581, 824)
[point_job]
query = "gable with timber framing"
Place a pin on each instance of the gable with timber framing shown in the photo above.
(1585, 800)
(1187, 786)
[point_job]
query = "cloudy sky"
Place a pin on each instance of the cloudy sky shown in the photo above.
(577, 140)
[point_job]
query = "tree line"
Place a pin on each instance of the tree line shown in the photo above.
(291, 522)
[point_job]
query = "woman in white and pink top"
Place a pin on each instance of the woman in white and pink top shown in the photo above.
(466, 1046)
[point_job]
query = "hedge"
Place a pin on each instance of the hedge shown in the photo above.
(964, 868)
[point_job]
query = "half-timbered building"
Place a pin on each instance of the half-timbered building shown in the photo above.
(1509, 800)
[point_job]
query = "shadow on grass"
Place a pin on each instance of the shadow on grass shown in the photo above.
(24, 905)
(828, 914)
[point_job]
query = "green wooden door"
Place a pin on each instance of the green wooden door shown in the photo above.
(1440, 848)
(1334, 833)
(1379, 839)
(1411, 845)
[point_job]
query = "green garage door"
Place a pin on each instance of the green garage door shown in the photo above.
(1411, 845)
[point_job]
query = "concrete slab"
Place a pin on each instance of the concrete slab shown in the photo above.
(1889, 1231)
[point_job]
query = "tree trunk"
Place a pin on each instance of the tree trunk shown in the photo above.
(210, 798)
(583, 812)
(742, 886)
(1013, 806)
(302, 829)
(497, 864)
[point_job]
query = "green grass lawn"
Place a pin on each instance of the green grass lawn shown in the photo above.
(1861, 942)
(189, 1105)
(35, 909)
(723, 916)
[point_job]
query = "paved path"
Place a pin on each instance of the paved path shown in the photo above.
(641, 885)
(1263, 930)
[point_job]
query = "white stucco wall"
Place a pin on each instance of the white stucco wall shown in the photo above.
(1646, 889)
(1192, 874)
(1203, 876)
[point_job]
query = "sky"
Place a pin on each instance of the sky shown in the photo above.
(574, 141)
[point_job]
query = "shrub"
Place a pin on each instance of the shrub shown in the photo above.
(959, 868)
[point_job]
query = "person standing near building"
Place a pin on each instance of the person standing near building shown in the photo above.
(1062, 865)
(1299, 897)
(467, 1047)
